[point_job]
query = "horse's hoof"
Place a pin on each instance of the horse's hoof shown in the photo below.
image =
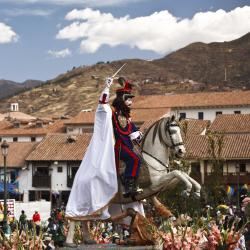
(185, 194)
(89, 242)
(197, 195)
(70, 245)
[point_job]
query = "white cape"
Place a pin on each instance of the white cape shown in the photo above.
(95, 183)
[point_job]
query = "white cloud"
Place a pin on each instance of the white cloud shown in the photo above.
(7, 35)
(89, 3)
(26, 12)
(60, 53)
(160, 32)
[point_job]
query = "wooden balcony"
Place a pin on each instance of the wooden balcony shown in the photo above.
(70, 181)
(40, 181)
(232, 178)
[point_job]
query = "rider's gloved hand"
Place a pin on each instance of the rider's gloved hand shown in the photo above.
(108, 82)
(137, 135)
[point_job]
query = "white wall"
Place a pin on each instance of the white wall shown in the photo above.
(74, 130)
(59, 180)
(21, 138)
(43, 208)
(209, 113)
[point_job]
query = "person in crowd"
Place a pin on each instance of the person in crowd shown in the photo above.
(22, 221)
(37, 221)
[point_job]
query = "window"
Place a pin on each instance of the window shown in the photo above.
(242, 167)
(70, 129)
(59, 169)
(15, 139)
(42, 171)
(182, 115)
(237, 112)
(218, 113)
(195, 167)
(33, 138)
(200, 115)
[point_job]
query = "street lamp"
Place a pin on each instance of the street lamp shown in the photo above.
(5, 147)
(237, 168)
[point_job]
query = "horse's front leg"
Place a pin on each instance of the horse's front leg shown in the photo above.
(196, 185)
(181, 177)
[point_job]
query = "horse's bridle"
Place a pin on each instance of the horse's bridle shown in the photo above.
(167, 129)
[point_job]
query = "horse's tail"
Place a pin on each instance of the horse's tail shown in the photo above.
(161, 209)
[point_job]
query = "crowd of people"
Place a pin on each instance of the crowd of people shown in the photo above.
(211, 223)
(35, 233)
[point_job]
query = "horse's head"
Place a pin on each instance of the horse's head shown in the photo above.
(171, 136)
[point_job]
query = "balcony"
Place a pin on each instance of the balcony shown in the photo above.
(232, 178)
(41, 181)
(70, 180)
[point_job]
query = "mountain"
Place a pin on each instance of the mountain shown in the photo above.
(196, 67)
(9, 88)
(224, 64)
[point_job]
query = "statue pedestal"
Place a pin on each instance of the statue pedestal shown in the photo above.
(111, 247)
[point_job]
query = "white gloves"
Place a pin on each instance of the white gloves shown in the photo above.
(137, 135)
(108, 81)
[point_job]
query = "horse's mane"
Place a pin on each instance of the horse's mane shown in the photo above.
(156, 126)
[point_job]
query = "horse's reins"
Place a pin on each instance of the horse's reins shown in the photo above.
(163, 164)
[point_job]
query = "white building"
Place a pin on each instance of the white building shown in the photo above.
(203, 106)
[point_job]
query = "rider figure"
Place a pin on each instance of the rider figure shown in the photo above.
(125, 132)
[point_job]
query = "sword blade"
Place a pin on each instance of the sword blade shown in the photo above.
(118, 70)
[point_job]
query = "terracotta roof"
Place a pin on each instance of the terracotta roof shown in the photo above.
(19, 115)
(144, 127)
(138, 115)
(234, 123)
(56, 147)
(56, 127)
(205, 99)
(1, 117)
(194, 126)
(7, 129)
(82, 117)
(142, 115)
(235, 146)
(17, 153)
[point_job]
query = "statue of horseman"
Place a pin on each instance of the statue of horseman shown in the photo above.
(125, 133)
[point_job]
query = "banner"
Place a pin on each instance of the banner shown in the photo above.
(229, 190)
(10, 209)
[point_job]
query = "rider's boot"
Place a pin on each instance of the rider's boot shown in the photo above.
(130, 187)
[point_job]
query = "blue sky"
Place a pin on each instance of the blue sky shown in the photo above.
(40, 39)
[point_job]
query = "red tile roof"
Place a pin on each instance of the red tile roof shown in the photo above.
(235, 146)
(56, 147)
(17, 153)
(138, 115)
(82, 117)
(234, 123)
(19, 115)
(194, 126)
(1, 117)
(204, 99)
(7, 129)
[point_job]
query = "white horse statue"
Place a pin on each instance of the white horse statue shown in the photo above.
(162, 137)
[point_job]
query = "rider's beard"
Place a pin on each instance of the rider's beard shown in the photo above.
(120, 105)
